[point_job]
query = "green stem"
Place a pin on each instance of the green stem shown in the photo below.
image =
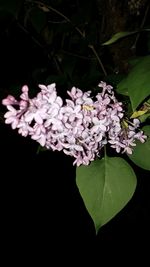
(98, 59)
(48, 7)
(105, 151)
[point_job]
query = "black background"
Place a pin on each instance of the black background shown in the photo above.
(42, 214)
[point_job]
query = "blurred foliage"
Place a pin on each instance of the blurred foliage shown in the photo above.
(141, 153)
(62, 41)
(137, 82)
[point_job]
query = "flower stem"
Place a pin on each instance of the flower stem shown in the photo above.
(98, 59)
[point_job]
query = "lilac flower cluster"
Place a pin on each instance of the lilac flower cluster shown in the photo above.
(80, 127)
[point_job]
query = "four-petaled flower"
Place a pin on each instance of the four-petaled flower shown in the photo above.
(80, 127)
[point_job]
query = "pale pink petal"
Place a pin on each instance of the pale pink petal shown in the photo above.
(10, 100)
(25, 89)
(12, 109)
(51, 87)
(38, 118)
(78, 148)
(42, 140)
(14, 124)
(29, 117)
(43, 87)
(59, 101)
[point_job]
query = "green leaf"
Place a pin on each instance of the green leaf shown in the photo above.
(117, 36)
(141, 153)
(114, 79)
(144, 117)
(137, 83)
(123, 90)
(106, 186)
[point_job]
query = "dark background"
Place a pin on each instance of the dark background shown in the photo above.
(42, 214)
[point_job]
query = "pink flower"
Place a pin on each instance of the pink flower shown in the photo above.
(11, 117)
(80, 127)
(9, 100)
